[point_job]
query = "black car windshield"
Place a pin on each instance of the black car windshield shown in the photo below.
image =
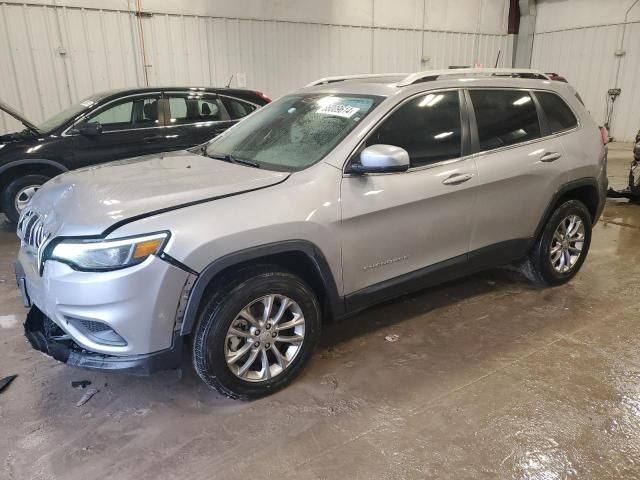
(67, 114)
(295, 131)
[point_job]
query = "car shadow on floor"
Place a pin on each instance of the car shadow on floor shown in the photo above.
(396, 311)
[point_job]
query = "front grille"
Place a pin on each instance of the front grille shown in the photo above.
(31, 229)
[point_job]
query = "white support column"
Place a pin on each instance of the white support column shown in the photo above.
(524, 40)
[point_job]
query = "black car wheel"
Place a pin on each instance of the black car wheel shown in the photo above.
(18, 193)
(257, 333)
(562, 246)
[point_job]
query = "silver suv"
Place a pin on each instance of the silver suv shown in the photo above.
(346, 193)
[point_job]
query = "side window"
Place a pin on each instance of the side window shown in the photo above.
(118, 114)
(504, 117)
(559, 115)
(132, 113)
(237, 108)
(427, 127)
(187, 109)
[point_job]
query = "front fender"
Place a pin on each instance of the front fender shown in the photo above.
(335, 301)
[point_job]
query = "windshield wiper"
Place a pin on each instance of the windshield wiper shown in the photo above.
(231, 159)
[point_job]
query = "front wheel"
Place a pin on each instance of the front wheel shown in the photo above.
(18, 193)
(562, 247)
(257, 334)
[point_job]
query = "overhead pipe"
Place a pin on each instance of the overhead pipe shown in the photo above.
(62, 51)
(614, 92)
(621, 47)
(144, 51)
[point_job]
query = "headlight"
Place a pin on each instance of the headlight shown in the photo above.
(100, 255)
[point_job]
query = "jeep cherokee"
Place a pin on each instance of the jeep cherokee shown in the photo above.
(346, 193)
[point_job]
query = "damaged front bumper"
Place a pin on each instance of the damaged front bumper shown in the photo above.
(44, 335)
(118, 321)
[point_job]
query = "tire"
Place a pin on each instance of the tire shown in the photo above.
(17, 187)
(539, 267)
(213, 343)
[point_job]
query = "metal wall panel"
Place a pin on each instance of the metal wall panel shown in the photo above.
(626, 117)
(400, 50)
(585, 56)
(58, 55)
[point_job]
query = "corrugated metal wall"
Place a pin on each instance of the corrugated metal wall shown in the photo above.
(585, 56)
(57, 55)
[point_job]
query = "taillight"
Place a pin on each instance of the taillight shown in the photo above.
(264, 97)
(604, 134)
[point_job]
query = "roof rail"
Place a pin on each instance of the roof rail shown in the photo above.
(342, 78)
(430, 75)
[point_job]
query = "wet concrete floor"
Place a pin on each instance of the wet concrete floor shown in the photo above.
(489, 378)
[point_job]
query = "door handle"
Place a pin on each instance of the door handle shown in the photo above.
(550, 156)
(153, 138)
(457, 178)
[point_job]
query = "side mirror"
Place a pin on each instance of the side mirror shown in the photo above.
(90, 129)
(381, 159)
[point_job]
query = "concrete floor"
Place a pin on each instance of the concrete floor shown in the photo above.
(489, 378)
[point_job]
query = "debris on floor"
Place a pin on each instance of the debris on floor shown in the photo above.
(6, 381)
(81, 384)
(87, 396)
(392, 338)
(624, 193)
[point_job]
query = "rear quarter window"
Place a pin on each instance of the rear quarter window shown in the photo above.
(237, 108)
(559, 115)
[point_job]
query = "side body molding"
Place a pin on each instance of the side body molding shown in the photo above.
(334, 302)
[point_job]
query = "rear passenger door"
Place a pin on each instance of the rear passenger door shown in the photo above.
(520, 167)
(194, 118)
(562, 123)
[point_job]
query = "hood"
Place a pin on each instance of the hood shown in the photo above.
(91, 200)
(18, 116)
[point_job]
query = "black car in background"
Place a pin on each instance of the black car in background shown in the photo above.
(113, 125)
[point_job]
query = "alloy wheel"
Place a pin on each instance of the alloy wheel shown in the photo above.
(264, 338)
(567, 244)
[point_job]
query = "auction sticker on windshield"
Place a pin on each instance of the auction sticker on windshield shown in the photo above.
(339, 110)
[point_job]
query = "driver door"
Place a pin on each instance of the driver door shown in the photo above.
(131, 126)
(398, 227)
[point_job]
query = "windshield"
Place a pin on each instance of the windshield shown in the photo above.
(295, 131)
(67, 114)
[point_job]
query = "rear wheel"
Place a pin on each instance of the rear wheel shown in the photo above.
(562, 247)
(257, 334)
(18, 193)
